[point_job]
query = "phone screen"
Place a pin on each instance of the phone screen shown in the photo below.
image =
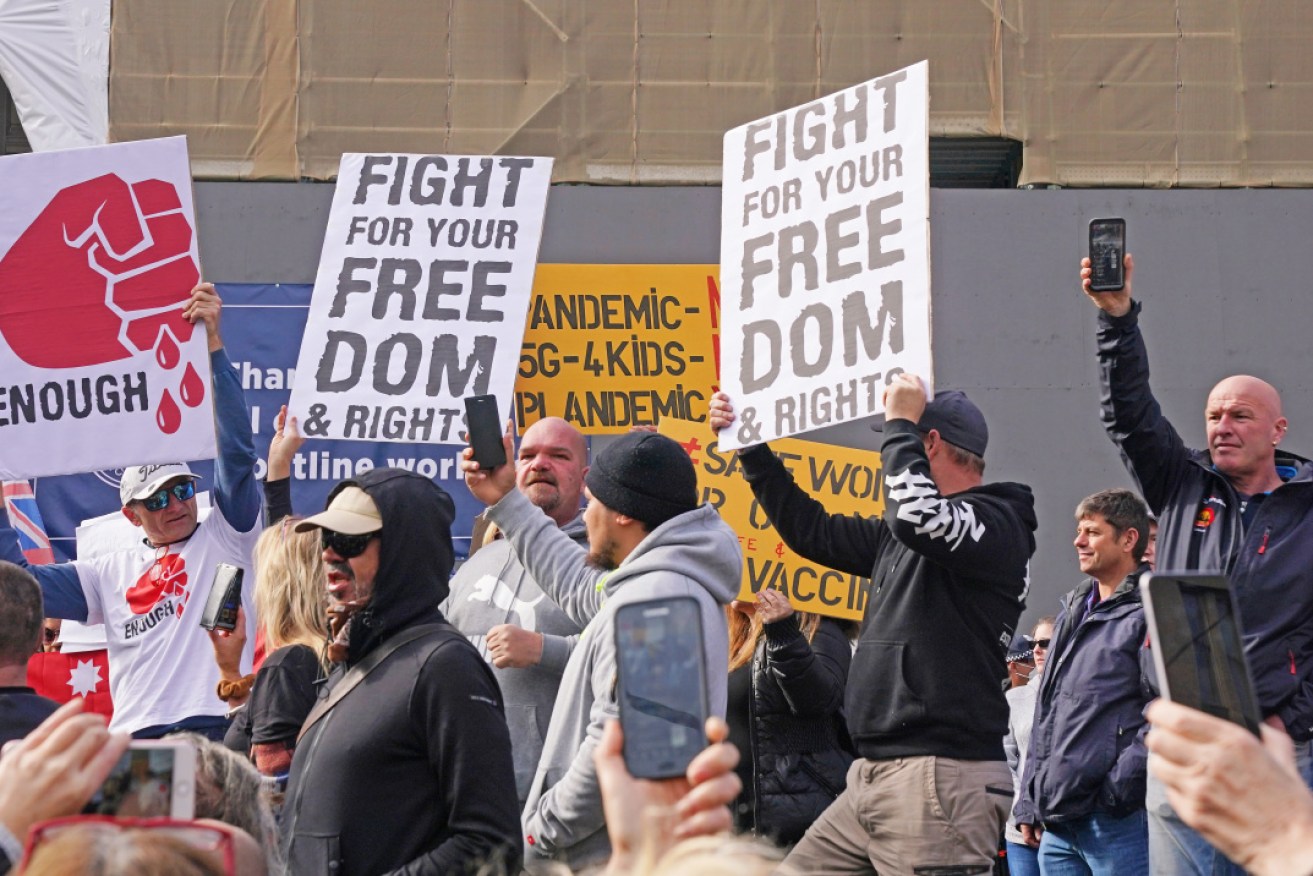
(1197, 646)
(148, 781)
(1107, 248)
(662, 685)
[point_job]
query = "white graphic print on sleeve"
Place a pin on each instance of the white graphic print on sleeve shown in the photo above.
(919, 502)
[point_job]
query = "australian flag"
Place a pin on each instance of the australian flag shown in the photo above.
(20, 501)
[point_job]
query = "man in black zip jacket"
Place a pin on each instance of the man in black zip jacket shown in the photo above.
(1241, 507)
(949, 570)
(404, 763)
(1083, 787)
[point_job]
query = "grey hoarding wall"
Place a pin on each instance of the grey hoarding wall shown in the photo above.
(1223, 275)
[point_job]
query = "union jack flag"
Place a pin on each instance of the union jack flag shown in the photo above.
(20, 502)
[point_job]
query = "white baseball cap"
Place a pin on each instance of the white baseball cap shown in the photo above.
(141, 481)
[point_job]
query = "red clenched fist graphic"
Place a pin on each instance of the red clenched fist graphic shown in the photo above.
(166, 577)
(119, 256)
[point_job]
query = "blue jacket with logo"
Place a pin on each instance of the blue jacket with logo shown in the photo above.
(1270, 562)
(1087, 749)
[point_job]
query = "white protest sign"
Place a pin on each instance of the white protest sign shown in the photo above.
(825, 258)
(423, 286)
(98, 367)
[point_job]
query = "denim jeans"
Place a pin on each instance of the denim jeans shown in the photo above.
(1022, 860)
(1097, 844)
(1176, 850)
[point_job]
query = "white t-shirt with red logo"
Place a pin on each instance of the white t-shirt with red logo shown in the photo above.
(150, 601)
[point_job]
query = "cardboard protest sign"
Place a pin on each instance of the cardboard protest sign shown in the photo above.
(845, 481)
(97, 260)
(421, 294)
(608, 347)
(825, 257)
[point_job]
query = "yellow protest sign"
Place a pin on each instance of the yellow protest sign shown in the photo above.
(608, 347)
(846, 481)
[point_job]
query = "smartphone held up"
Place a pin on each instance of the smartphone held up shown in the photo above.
(1107, 255)
(484, 428)
(153, 778)
(661, 685)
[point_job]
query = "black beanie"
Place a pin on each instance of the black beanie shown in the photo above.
(645, 476)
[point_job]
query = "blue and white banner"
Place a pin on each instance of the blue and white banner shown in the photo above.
(262, 328)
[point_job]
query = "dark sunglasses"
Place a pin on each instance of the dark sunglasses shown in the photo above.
(159, 501)
(1041, 643)
(346, 546)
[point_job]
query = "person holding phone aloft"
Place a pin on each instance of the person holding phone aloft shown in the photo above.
(1242, 507)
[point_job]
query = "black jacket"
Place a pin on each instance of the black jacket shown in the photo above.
(1087, 742)
(800, 748)
(1270, 563)
(411, 771)
(949, 579)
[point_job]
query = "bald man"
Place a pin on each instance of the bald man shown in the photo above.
(500, 608)
(1243, 507)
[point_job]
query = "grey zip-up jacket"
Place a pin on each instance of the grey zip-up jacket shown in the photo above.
(491, 588)
(1270, 562)
(695, 554)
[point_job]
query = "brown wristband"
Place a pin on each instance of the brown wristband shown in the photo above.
(235, 690)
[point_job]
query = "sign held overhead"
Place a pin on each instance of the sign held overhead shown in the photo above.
(825, 257)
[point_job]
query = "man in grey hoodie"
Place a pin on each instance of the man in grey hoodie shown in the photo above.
(496, 603)
(647, 538)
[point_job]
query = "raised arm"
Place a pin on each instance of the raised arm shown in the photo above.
(236, 493)
(1153, 452)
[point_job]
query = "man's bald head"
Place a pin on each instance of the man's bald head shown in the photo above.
(1244, 424)
(550, 467)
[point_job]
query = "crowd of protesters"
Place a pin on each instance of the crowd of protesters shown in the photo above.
(402, 718)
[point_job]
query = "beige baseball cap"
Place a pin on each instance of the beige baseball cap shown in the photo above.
(351, 512)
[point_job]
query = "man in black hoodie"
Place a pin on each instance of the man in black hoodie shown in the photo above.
(405, 760)
(949, 570)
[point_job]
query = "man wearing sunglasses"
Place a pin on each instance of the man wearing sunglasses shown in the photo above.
(149, 596)
(404, 763)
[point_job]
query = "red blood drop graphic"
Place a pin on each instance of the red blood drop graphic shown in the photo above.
(193, 388)
(166, 352)
(167, 415)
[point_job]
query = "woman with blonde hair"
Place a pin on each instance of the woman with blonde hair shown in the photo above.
(787, 675)
(291, 613)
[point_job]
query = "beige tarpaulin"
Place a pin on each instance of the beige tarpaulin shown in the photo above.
(1100, 92)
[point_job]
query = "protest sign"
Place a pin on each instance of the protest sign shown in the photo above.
(825, 257)
(845, 481)
(97, 260)
(608, 347)
(421, 294)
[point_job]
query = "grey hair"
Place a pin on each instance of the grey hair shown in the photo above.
(231, 790)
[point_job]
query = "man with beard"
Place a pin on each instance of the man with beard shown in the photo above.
(404, 763)
(652, 538)
(498, 605)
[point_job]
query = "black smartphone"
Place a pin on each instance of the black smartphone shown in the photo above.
(661, 685)
(1195, 638)
(225, 598)
(1107, 254)
(483, 424)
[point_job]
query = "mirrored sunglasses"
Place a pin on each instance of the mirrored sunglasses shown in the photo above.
(158, 501)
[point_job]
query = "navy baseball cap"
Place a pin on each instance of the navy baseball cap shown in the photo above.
(957, 420)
